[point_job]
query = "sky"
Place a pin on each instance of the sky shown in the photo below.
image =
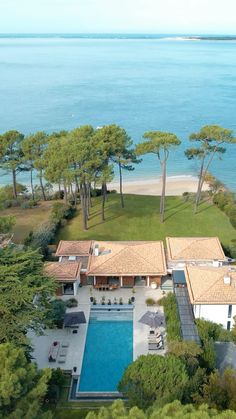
(118, 16)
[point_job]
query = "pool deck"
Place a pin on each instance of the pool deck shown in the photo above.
(74, 358)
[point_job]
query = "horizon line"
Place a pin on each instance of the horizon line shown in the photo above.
(122, 33)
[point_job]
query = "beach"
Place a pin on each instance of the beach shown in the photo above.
(175, 185)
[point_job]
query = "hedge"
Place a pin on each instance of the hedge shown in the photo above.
(173, 327)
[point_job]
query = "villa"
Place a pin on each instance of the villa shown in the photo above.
(111, 264)
(200, 251)
(212, 293)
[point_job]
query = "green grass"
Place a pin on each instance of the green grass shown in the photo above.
(139, 220)
(28, 219)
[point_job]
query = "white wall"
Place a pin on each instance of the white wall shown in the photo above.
(215, 313)
(76, 287)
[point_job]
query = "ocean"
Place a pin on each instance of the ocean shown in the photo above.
(140, 82)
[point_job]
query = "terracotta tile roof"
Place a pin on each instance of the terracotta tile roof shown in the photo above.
(128, 258)
(63, 271)
(206, 285)
(73, 248)
(194, 248)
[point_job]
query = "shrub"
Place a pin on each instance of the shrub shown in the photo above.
(232, 215)
(6, 224)
(72, 302)
(221, 199)
(56, 314)
(6, 192)
(150, 301)
(55, 384)
(60, 211)
(58, 195)
(43, 236)
(173, 328)
(7, 203)
(25, 205)
(210, 330)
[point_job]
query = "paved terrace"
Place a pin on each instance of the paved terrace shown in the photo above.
(77, 341)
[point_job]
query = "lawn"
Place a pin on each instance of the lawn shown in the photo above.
(139, 220)
(28, 219)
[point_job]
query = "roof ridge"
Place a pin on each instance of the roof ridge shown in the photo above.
(147, 261)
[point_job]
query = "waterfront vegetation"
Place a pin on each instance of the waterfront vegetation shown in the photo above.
(84, 157)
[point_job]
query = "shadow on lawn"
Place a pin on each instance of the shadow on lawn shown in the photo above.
(181, 206)
(107, 219)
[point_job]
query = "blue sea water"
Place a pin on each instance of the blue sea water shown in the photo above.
(139, 82)
(108, 351)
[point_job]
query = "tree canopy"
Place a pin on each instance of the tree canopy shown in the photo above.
(24, 294)
(22, 387)
(171, 410)
(159, 143)
(210, 141)
(154, 378)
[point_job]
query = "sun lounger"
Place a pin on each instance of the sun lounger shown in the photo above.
(62, 352)
(154, 332)
(65, 344)
(154, 339)
(155, 346)
(62, 355)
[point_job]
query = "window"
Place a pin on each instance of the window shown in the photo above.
(72, 258)
(228, 325)
(229, 311)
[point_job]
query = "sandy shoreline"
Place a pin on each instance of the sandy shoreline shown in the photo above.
(175, 185)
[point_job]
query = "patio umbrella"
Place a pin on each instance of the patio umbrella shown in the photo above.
(74, 319)
(153, 319)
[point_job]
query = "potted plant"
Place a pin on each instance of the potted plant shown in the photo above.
(91, 294)
(109, 302)
(129, 301)
(94, 301)
(115, 300)
(133, 297)
(121, 301)
(103, 300)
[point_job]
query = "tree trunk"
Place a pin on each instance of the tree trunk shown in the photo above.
(82, 201)
(65, 193)
(41, 185)
(163, 193)
(73, 193)
(121, 187)
(90, 198)
(59, 188)
(103, 200)
(14, 183)
(198, 194)
(76, 189)
(31, 183)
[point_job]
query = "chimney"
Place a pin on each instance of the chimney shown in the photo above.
(215, 263)
(96, 250)
(227, 280)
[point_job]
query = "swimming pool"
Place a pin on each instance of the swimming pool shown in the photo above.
(108, 351)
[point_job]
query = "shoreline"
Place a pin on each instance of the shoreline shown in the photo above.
(175, 186)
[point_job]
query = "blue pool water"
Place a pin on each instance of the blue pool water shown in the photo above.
(108, 351)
